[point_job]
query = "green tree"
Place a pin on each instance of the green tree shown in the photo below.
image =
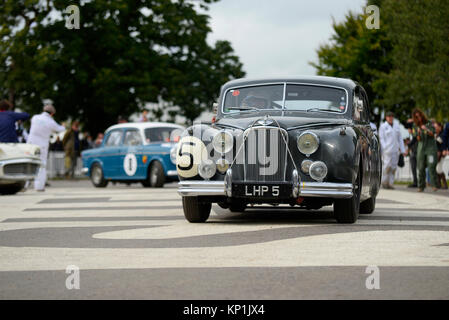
(403, 64)
(419, 32)
(358, 53)
(125, 54)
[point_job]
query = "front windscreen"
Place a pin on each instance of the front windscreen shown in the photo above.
(162, 134)
(254, 98)
(315, 98)
(298, 97)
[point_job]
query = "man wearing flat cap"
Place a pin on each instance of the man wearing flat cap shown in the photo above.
(391, 145)
(42, 126)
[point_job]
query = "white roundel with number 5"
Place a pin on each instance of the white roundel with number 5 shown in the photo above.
(130, 164)
(191, 151)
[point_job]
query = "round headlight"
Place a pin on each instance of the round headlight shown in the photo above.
(173, 154)
(222, 165)
(305, 166)
(223, 142)
(207, 169)
(318, 170)
(308, 143)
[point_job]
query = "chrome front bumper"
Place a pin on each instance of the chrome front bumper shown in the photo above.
(15, 176)
(307, 189)
(172, 173)
(201, 188)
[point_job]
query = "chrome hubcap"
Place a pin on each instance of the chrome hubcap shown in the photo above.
(154, 173)
(96, 175)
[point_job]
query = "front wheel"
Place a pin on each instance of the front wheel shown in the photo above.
(156, 177)
(368, 206)
(347, 210)
(237, 207)
(11, 188)
(97, 176)
(195, 211)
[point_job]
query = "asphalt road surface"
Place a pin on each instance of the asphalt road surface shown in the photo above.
(130, 242)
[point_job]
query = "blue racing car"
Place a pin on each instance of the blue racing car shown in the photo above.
(134, 152)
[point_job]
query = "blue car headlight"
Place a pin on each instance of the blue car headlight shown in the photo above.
(173, 154)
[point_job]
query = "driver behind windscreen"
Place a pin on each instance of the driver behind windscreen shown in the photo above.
(253, 101)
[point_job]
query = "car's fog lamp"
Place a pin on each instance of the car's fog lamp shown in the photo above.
(318, 170)
(305, 166)
(207, 169)
(222, 165)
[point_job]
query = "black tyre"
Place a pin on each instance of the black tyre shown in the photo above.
(195, 211)
(347, 210)
(97, 177)
(11, 188)
(368, 206)
(237, 207)
(223, 205)
(156, 176)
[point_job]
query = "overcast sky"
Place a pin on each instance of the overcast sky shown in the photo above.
(277, 37)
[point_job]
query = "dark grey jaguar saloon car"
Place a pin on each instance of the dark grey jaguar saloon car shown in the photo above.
(302, 141)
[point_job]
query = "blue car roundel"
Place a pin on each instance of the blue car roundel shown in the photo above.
(135, 152)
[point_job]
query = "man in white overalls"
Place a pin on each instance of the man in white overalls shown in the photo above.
(391, 145)
(42, 126)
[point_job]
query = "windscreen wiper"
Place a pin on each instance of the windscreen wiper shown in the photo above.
(243, 108)
(322, 110)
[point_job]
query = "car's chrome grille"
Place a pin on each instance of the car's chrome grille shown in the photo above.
(265, 154)
(16, 169)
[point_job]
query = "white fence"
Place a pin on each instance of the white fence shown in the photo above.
(55, 165)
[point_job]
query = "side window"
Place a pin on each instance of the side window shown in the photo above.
(114, 138)
(366, 108)
(132, 138)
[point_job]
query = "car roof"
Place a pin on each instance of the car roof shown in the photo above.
(321, 80)
(144, 125)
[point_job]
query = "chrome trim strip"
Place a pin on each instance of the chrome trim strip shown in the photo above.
(125, 153)
(326, 189)
(20, 160)
(172, 173)
(201, 188)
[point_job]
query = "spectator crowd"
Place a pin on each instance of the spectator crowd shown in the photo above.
(426, 147)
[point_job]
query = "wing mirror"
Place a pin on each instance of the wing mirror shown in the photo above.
(359, 105)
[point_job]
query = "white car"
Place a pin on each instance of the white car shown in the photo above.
(19, 162)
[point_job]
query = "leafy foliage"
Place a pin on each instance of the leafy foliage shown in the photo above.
(419, 31)
(401, 65)
(125, 54)
(357, 53)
